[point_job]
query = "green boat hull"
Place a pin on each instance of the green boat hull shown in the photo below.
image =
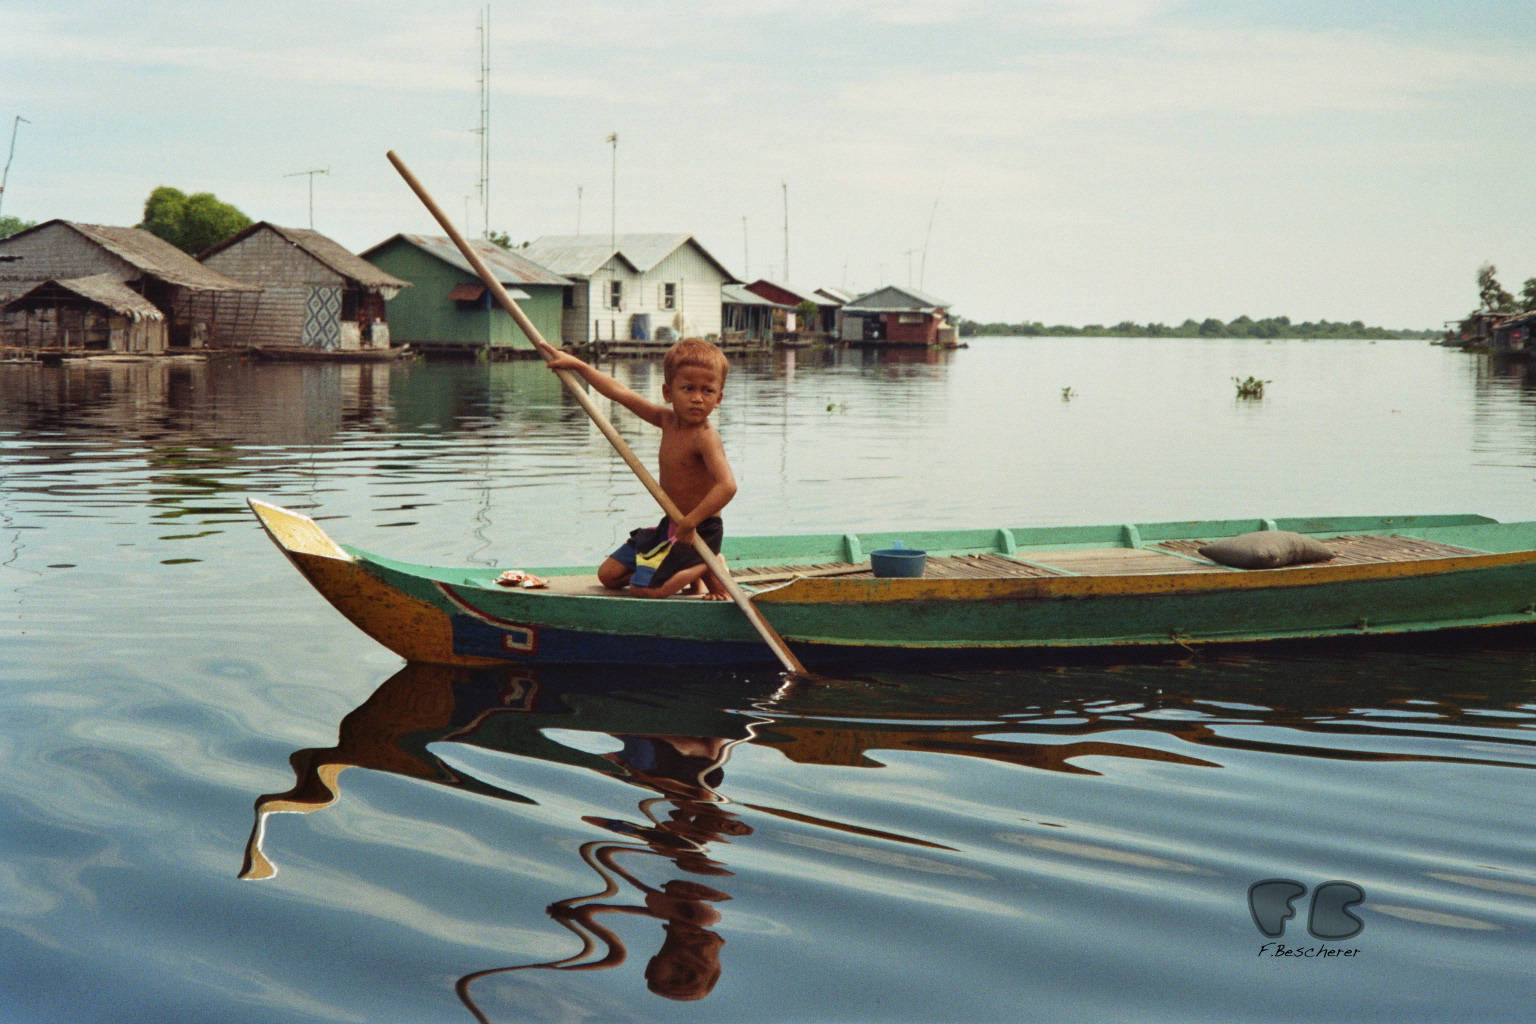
(1059, 589)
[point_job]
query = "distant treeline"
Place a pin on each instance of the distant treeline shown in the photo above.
(1242, 327)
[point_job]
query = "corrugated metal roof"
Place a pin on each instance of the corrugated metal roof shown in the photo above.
(737, 294)
(801, 294)
(470, 291)
(508, 266)
(326, 251)
(892, 297)
(584, 255)
(104, 290)
(158, 258)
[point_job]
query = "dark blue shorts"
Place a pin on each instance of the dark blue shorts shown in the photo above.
(678, 557)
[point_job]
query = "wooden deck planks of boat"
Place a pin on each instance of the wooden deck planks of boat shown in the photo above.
(1166, 557)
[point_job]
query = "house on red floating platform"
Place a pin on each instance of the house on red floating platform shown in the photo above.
(897, 316)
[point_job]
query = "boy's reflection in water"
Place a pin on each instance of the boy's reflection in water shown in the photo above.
(679, 826)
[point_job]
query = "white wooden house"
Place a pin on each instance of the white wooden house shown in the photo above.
(634, 290)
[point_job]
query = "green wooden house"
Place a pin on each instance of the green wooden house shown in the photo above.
(448, 310)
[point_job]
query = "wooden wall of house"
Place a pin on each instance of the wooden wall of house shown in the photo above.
(78, 326)
(58, 251)
(697, 295)
(423, 315)
(286, 274)
(576, 314)
(695, 309)
(911, 328)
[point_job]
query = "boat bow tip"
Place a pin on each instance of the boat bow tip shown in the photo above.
(295, 532)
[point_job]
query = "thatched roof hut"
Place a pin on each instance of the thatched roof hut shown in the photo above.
(96, 313)
(188, 294)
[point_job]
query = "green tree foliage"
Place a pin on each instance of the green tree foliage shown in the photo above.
(1491, 295)
(1528, 295)
(10, 225)
(1242, 327)
(191, 223)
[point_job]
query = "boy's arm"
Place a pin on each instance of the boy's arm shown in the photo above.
(603, 384)
(720, 493)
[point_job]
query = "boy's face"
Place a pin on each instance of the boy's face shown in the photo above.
(693, 393)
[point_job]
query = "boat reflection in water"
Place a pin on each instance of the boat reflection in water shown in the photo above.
(675, 733)
(681, 765)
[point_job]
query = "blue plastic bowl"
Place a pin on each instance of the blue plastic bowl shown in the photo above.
(898, 563)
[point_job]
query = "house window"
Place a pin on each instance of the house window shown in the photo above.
(669, 295)
(912, 318)
(615, 294)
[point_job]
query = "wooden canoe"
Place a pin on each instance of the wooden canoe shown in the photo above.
(998, 591)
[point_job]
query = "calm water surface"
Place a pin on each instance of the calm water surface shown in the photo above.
(222, 803)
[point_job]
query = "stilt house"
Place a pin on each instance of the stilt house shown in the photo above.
(1513, 335)
(449, 310)
(85, 314)
(634, 291)
(315, 293)
(747, 317)
(193, 299)
(897, 316)
(789, 297)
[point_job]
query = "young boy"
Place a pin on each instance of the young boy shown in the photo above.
(694, 471)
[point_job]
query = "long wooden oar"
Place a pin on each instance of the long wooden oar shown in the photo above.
(574, 386)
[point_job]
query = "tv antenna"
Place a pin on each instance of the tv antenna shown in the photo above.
(484, 131)
(7, 173)
(319, 170)
(785, 186)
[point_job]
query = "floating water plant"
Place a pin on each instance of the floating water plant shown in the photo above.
(1250, 388)
(1067, 394)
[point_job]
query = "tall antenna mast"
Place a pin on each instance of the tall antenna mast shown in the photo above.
(484, 131)
(785, 186)
(923, 266)
(613, 192)
(319, 170)
(7, 173)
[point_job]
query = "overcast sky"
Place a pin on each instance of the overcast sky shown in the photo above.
(1069, 161)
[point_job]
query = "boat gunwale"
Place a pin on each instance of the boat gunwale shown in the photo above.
(834, 589)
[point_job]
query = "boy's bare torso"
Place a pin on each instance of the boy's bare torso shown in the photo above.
(683, 473)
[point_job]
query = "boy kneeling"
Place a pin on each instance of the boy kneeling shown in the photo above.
(661, 561)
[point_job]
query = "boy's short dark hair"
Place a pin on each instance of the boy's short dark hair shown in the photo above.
(694, 352)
